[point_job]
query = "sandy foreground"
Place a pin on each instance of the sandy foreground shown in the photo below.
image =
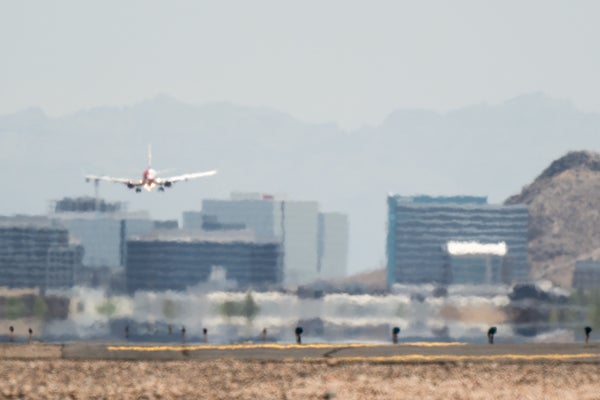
(228, 379)
(40, 373)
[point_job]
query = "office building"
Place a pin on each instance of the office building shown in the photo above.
(586, 275)
(314, 244)
(178, 260)
(333, 245)
(102, 228)
(420, 228)
(34, 253)
(474, 263)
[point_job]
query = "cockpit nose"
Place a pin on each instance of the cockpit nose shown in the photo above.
(149, 174)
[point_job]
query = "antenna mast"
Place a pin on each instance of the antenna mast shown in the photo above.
(96, 194)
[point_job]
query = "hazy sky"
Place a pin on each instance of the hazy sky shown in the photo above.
(349, 62)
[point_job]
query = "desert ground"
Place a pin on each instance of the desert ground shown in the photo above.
(43, 372)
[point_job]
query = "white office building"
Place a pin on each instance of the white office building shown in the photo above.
(314, 245)
(101, 228)
(333, 245)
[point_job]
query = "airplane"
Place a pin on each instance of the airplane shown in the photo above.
(150, 178)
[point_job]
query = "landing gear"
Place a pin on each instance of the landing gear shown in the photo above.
(161, 189)
(137, 190)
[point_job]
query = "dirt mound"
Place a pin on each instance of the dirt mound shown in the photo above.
(564, 215)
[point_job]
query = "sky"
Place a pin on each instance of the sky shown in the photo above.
(341, 61)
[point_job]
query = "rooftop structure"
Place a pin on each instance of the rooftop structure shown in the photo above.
(85, 204)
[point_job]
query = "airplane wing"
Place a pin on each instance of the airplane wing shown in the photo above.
(130, 183)
(185, 177)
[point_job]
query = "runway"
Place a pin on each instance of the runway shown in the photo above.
(344, 352)
(276, 371)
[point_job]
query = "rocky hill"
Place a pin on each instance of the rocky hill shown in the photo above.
(564, 204)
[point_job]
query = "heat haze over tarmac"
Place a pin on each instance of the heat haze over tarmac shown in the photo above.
(406, 352)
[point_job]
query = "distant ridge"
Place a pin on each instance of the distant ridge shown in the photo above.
(484, 149)
(565, 215)
(573, 159)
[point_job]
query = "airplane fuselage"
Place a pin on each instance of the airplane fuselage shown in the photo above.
(149, 179)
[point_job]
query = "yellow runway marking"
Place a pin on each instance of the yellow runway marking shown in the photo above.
(391, 358)
(236, 347)
(433, 344)
(268, 346)
(448, 357)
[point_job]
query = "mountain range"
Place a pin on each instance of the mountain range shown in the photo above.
(490, 150)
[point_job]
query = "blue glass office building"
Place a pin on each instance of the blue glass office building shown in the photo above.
(171, 262)
(419, 227)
